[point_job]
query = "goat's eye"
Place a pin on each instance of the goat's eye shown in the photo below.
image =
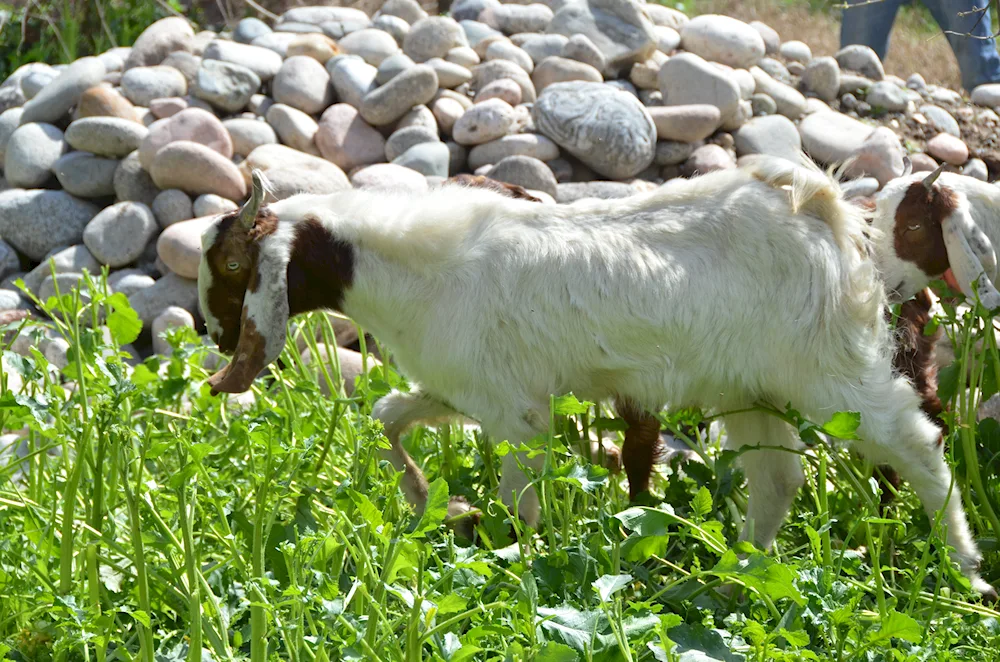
(913, 228)
(233, 266)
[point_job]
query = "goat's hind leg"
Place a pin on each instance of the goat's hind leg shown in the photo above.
(398, 411)
(641, 447)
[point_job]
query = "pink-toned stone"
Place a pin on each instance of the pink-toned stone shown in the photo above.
(345, 139)
(708, 158)
(193, 124)
(446, 112)
(946, 147)
(922, 162)
(179, 246)
(167, 107)
(103, 101)
(196, 169)
(504, 88)
(687, 124)
(389, 176)
(880, 156)
(317, 46)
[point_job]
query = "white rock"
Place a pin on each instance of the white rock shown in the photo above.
(723, 39)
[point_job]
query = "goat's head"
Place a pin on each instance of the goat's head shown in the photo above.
(243, 298)
(927, 232)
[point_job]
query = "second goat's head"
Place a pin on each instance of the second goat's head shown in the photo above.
(928, 231)
(243, 288)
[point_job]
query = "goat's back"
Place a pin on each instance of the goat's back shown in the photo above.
(715, 283)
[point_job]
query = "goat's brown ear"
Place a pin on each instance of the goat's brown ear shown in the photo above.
(248, 214)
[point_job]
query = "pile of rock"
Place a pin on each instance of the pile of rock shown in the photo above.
(120, 160)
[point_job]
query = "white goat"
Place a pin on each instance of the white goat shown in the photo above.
(755, 284)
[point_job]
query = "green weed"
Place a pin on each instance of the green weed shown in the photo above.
(143, 519)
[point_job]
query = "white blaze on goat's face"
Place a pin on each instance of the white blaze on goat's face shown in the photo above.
(926, 231)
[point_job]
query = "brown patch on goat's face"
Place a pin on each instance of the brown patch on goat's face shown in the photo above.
(248, 360)
(917, 233)
(320, 270)
(503, 188)
(234, 247)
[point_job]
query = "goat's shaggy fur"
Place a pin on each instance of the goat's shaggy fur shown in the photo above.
(749, 285)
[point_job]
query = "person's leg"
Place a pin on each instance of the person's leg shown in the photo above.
(976, 54)
(868, 24)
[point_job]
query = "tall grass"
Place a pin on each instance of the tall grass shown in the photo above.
(143, 519)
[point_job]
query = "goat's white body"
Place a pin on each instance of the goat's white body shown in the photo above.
(719, 291)
(707, 292)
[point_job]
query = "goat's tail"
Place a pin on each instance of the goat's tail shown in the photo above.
(815, 192)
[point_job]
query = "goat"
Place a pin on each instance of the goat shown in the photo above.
(938, 225)
(740, 286)
(915, 359)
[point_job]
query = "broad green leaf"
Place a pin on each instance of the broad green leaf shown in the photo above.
(948, 378)
(650, 532)
(367, 509)
(142, 617)
(111, 578)
(22, 365)
(762, 573)
(123, 322)
(701, 504)
(843, 425)
(589, 478)
(696, 643)
(754, 632)
(36, 406)
(608, 585)
(478, 567)
(451, 603)
(646, 521)
(568, 405)
(796, 638)
(556, 652)
(899, 626)
(466, 652)
(436, 508)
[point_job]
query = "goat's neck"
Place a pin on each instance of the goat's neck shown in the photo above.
(985, 201)
(320, 269)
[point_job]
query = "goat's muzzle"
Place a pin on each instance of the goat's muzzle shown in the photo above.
(249, 359)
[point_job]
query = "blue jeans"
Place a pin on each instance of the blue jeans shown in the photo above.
(978, 60)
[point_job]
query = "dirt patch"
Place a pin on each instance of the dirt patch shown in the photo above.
(915, 45)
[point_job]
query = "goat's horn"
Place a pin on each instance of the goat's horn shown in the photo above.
(931, 178)
(248, 214)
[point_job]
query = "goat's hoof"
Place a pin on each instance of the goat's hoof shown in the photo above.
(644, 498)
(463, 518)
(988, 593)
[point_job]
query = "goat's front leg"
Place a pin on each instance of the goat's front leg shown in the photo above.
(398, 411)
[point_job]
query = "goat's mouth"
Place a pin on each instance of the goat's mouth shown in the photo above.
(894, 293)
(225, 342)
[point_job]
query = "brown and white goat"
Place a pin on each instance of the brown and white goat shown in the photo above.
(491, 304)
